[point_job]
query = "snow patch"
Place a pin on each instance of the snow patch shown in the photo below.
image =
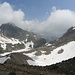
(26, 40)
(73, 28)
(48, 45)
(27, 48)
(12, 46)
(28, 44)
(27, 35)
(5, 40)
(3, 59)
(3, 45)
(43, 52)
(54, 57)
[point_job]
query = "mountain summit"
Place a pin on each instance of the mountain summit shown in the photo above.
(67, 37)
(12, 31)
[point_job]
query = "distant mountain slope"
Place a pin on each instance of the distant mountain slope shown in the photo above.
(67, 37)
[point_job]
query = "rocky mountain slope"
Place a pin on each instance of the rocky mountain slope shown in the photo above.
(49, 54)
(60, 50)
(67, 37)
(12, 31)
(15, 38)
(56, 58)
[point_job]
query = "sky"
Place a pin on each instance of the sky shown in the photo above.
(39, 9)
(51, 18)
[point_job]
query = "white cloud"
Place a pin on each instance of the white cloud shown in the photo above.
(59, 21)
(55, 25)
(7, 14)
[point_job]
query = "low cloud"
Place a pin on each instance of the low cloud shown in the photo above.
(59, 21)
(55, 25)
(7, 14)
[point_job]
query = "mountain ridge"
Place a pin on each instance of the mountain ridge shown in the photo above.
(51, 56)
(15, 38)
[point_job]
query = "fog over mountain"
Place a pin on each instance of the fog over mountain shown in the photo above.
(56, 24)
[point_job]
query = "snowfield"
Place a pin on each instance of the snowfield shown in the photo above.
(54, 57)
(59, 54)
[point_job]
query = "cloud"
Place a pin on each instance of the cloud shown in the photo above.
(56, 24)
(59, 21)
(7, 14)
(53, 8)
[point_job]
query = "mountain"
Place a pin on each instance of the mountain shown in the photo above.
(15, 38)
(67, 37)
(12, 31)
(56, 58)
(60, 50)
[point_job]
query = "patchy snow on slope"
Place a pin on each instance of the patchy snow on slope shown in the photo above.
(28, 44)
(4, 41)
(35, 36)
(27, 48)
(13, 41)
(27, 35)
(26, 40)
(73, 28)
(54, 57)
(43, 52)
(3, 45)
(6, 53)
(12, 46)
(15, 51)
(47, 44)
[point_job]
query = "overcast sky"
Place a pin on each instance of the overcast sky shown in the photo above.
(50, 17)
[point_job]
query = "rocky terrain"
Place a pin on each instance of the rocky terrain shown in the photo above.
(63, 68)
(15, 38)
(24, 53)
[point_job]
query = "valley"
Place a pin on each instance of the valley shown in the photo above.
(26, 56)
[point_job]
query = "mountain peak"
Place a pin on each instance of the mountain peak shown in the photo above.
(70, 31)
(67, 37)
(9, 24)
(10, 30)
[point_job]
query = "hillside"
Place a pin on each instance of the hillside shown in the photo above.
(67, 37)
(63, 68)
(15, 38)
(57, 58)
